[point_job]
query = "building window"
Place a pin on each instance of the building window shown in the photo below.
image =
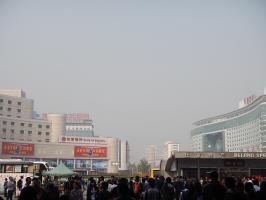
(12, 134)
(4, 133)
(1, 107)
(21, 131)
(19, 110)
(29, 132)
(12, 123)
(40, 126)
(4, 122)
(47, 140)
(21, 124)
(1, 100)
(47, 126)
(47, 133)
(18, 116)
(30, 125)
(9, 102)
(39, 133)
(9, 109)
(19, 103)
(39, 140)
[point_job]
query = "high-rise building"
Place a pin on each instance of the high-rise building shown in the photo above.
(169, 148)
(56, 137)
(242, 130)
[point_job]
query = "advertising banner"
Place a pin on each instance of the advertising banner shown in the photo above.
(18, 149)
(90, 152)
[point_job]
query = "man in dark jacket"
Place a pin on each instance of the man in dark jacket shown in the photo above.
(214, 190)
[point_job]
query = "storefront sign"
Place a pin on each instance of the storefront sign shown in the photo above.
(85, 140)
(17, 149)
(90, 152)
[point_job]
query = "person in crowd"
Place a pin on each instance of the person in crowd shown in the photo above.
(52, 191)
(152, 193)
(138, 187)
(112, 184)
(249, 190)
(240, 194)
(261, 195)
(28, 182)
(92, 190)
(19, 186)
(214, 190)
(256, 185)
(230, 185)
(123, 191)
(11, 187)
(104, 194)
(28, 193)
(68, 187)
(131, 186)
(168, 190)
(76, 193)
(41, 194)
(56, 182)
(5, 187)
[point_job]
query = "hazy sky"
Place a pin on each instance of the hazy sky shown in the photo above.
(143, 70)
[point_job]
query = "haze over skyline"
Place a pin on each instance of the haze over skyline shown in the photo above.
(144, 71)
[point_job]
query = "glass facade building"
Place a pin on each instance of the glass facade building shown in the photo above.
(242, 130)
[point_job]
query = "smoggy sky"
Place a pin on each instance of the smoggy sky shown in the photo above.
(143, 70)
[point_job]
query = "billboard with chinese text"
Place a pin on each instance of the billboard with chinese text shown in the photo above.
(90, 152)
(19, 149)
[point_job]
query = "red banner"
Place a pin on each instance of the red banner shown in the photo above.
(17, 149)
(90, 152)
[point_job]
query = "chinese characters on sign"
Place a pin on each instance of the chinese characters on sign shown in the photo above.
(85, 140)
(17, 149)
(90, 152)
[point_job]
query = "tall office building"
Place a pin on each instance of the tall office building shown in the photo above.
(242, 130)
(169, 148)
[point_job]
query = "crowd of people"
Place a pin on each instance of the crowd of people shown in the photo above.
(145, 188)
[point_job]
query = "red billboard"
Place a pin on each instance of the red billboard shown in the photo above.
(18, 149)
(90, 152)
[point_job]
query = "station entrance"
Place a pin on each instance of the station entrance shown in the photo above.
(201, 164)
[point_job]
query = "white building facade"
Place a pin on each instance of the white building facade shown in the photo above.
(34, 139)
(169, 148)
(242, 130)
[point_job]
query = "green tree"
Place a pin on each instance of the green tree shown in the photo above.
(143, 166)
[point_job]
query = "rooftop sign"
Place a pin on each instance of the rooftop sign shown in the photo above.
(246, 155)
